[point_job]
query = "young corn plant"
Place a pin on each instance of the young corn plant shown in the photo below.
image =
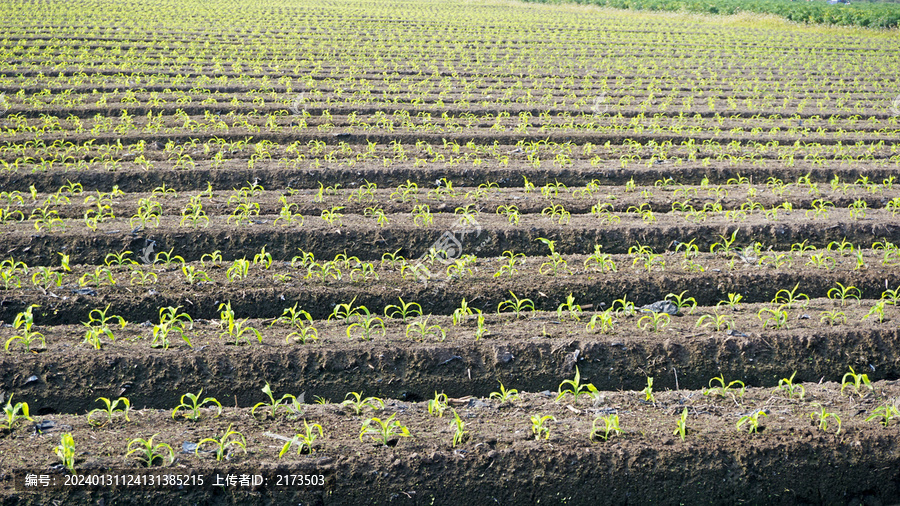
(98, 325)
(569, 308)
(438, 405)
(303, 440)
(366, 323)
(648, 391)
(193, 405)
(239, 270)
(540, 427)
(789, 298)
(734, 300)
(605, 321)
(356, 402)
(792, 390)
(171, 322)
(555, 264)
(609, 429)
(599, 261)
(858, 382)
(23, 324)
(773, 318)
(833, 317)
(516, 304)
(719, 322)
(505, 395)
(887, 413)
(238, 332)
(66, 452)
(223, 445)
(821, 416)
(423, 330)
(383, 431)
(287, 401)
(462, 313)
(654, 322)
(751, 420)
(14, 412)
(877, 311)
(404, 311)
(724, 388)
(681, 427)
(576, 388)
(345, 311)
(112, 407)
(460, 434)
(148, 453)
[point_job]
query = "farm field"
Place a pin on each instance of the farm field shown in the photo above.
(428, 253)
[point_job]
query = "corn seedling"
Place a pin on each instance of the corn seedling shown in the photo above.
(366, 323)
(193, 275)
(511, 213)
(576, 388)
(857, 382)
(681, 302)
(286, 401)
(221, 446)
(751, 420)
(263, 259)
(46, 278)
(517, 305)
(505, 395)
(462, 313)
(821, 417)
(112, 407)
(624, 305)
(98, 277)
(681, 424)
(303, 440)
(404, 311)
(556, 263)
(789, 298)
(66, 452)
(654, 322)
(239, 270)
(599, 261)
(424, 330)
(141, 278)
(540, 427)
(357, 403)
(422, 215)
(724, 389)
(734, 300)
(438, 405)
(604, 320)
(23, 323)
(13, 412)
(792, 390)
(720, 322)
(610, 428)
(876, 311)
(460, 434)
(833, 317)
(887, 412)
(148, 453)
(213, 258)
(345, 311)
(383, 430)
(648, 391)
(774, 318)
(193, 405)
(569, 307)
(170, 321)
